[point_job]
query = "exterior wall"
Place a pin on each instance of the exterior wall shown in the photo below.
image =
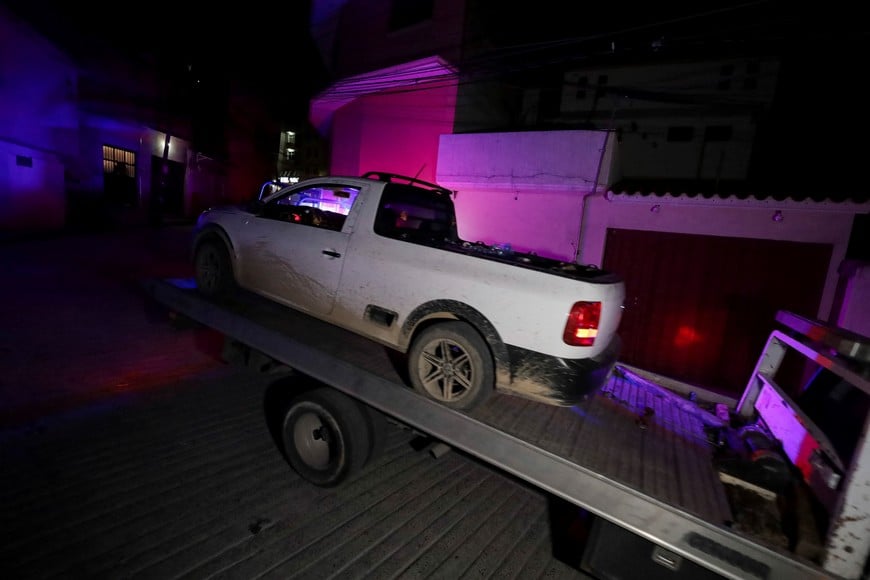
(31, 197)
(852, 311)
(546, 223)
(252, 145)
(526, 189)
(51, 137)
(248, 169)
(647, 153)
(487, 106)
(204, 184)
(146, 143)
(651, 90)
(347, 140)
(538, 195)
(797, 221)
(396, 132)
(641, 103)
(355, 36)
(38, 124)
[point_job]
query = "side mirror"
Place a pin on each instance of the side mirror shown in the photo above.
(269, 188)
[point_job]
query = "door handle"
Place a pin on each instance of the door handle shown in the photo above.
(331, 253)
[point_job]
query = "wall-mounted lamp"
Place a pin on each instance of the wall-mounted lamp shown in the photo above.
(777, 216)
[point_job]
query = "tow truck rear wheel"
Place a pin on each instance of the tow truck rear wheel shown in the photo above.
(327, 436)
(451, 363)
(213, 269)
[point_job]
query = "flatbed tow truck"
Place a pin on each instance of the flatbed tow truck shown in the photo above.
(773, 486)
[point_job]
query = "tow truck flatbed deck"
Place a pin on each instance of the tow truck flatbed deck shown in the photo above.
(633, 453)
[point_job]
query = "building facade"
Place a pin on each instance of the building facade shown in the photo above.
(624, 153)
(93, 142)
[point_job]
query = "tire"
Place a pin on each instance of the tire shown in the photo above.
(213, 269)
(450, 363)
(326, 436)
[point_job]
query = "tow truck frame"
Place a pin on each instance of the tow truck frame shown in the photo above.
(360, 369)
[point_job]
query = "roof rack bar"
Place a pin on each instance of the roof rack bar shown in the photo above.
(394, 177)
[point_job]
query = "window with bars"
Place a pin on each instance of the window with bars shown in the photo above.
(119, 175)
(117, 161)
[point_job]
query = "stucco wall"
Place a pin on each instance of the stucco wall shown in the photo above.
(38, 88)
(546, 223)
(525, 188)
(31, 196)
(394, 132)
(37, 124)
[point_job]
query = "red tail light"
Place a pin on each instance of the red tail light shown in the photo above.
(582, 326)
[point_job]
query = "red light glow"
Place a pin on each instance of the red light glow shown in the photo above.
(686, 336)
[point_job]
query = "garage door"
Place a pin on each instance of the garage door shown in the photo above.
(699, 308)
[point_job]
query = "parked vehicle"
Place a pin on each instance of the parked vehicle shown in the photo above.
(380, 255)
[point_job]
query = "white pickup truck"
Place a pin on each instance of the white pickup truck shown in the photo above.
(381, 255)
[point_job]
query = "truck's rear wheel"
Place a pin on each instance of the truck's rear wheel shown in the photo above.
(327, 436)
(451, 363)
(213, 269)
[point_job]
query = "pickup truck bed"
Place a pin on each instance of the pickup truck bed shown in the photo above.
(634, 453)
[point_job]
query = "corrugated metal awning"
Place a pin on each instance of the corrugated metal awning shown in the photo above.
(424, 70)
(716, 192)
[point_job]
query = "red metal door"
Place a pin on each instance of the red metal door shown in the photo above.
(699, 308)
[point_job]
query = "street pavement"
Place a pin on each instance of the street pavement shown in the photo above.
(130, 449)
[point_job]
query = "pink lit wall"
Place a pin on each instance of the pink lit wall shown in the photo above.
(544, 223)
(525, 188)
(396, 132)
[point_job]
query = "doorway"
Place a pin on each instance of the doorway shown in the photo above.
(699, 308)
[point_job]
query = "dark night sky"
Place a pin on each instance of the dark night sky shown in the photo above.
(162, 25)
(251, 43)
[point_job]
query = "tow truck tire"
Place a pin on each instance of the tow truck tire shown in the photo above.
(451, 363)
(326, 436)
(213, 269)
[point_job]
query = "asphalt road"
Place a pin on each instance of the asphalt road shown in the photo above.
(130, 449)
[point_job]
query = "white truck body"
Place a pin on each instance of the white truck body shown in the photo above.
(386, 285)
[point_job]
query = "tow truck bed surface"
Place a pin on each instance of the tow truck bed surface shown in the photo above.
(633, 453)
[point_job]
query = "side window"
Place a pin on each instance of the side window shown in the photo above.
(414, 217)
(322, 206)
